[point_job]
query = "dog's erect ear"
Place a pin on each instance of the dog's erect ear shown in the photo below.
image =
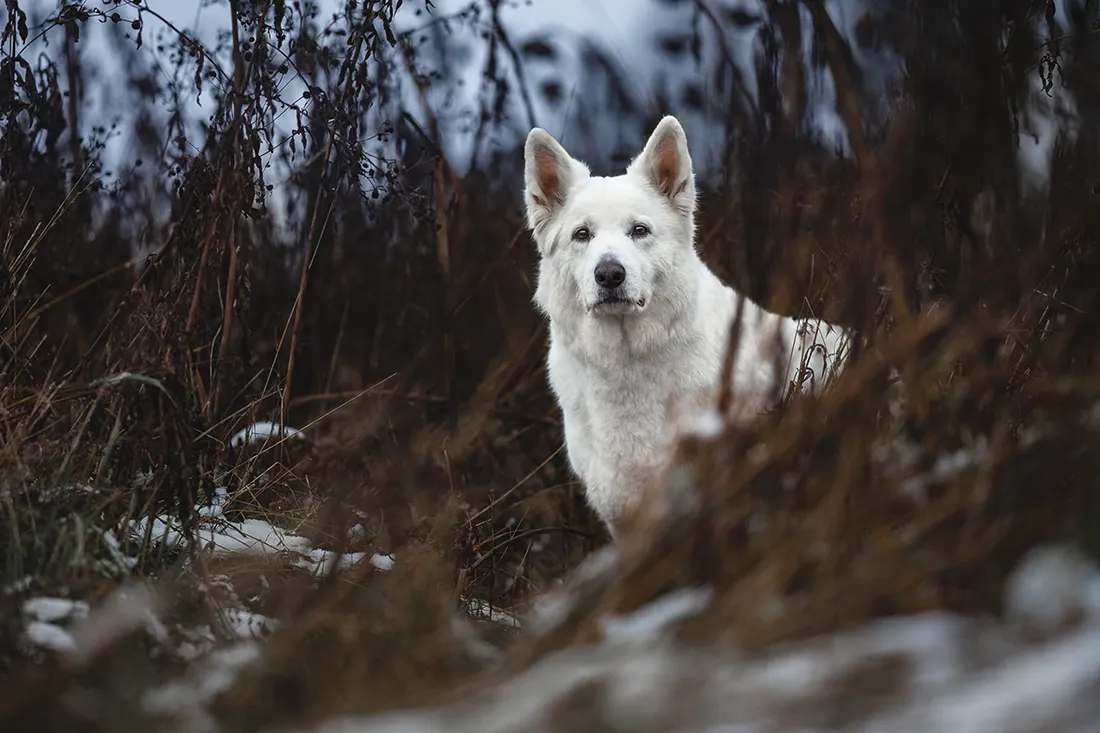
(666, 163)
(549, 173)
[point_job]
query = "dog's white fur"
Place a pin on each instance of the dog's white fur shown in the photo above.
(629, 364)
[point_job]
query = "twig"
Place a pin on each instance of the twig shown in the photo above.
(519, 483)
(725, 388)
(847, 101)
(565, 529)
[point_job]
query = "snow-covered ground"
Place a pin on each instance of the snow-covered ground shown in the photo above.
(933, 672)
(250, 536)
(1036, 670)
(50, 620)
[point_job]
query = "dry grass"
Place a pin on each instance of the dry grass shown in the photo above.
(409, 353)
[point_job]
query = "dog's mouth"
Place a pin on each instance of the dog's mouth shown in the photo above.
(613, 304)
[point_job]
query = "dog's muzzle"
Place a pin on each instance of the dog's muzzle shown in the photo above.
(610, 276)
(615, 303)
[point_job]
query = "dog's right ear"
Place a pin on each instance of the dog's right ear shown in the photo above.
(549, 173)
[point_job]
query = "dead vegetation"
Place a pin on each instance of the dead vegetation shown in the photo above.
(383, 307)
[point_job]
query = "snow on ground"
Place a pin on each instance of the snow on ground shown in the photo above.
(931, 672)
(49, 636)
(77, 632)
(1052, 586)
(52, 610)
(184, 699)
(478, 608)
(68, 628)
(1036, 671)
(262, 431)
(382, 562)
(914, 675)
(650, 622)
(45, 622)
(250, 537)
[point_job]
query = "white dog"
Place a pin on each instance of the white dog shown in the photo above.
(639, 326)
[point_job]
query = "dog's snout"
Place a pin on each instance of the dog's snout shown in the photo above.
(610, 274)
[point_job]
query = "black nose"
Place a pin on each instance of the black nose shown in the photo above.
(610, 274)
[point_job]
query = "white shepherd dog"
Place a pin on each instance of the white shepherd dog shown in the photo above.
(639, 326)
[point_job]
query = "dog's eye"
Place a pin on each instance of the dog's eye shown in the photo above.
(581, 234)
(639, 231)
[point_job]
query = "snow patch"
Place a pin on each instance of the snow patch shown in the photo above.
(248, 625)
(49, 636)
(1054, 585)
(220, 536)
(51, 610)
(927, 672)
(382, 562)
(484, 610)
(262, 431)
(204, 680)
(930, 672)
(129, 608)
(650, 622)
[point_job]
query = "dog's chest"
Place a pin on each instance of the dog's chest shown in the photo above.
(622, 425)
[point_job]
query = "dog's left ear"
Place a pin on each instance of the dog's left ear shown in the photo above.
(666, 163)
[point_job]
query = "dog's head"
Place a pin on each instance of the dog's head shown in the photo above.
(608, 244)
